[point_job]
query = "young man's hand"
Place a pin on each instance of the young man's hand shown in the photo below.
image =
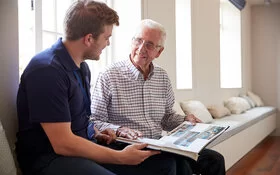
(128, 133)
(134, 154)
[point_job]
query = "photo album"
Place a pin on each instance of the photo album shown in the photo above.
(186, 139)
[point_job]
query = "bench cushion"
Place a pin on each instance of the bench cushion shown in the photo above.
(239, 122)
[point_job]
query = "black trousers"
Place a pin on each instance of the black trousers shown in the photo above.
(61, 165)
(160, 164)
(209, 162)
(53, 164)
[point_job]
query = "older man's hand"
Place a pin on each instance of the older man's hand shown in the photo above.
(128, 133)
(106, 136)
(191, 118)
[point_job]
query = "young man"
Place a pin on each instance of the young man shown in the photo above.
(53, 105)
(134, 97)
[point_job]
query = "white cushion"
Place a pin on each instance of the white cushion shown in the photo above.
(237, 105)
(257, 100)
(218, 111)
(249, 100)
(177, 108)
(7, 164)
(198, 109)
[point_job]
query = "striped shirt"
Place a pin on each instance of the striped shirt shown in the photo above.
(122, 97)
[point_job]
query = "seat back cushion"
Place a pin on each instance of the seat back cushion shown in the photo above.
(198, 109)
(257, 99)
(218, 111)
(237, 105)
(177, 108)
(7, 164)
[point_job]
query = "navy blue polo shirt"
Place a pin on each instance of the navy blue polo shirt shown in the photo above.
(49, 91)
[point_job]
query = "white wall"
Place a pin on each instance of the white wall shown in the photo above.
(206, 49)
(246, 47)
(9, 77)
(266, 54)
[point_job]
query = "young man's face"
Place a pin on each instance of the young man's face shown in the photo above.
(97, 45)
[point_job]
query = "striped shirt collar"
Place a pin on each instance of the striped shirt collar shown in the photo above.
(137, 72)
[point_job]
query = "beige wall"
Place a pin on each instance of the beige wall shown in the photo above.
(9, 77)
(266, 54)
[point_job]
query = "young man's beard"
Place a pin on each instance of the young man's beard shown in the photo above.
(88, 57)
(93, 58)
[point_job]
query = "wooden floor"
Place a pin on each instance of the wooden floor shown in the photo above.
(264, 159)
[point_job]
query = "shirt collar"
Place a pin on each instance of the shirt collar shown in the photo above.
(136, 72)
(64, 57)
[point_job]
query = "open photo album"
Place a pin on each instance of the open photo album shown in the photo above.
(186, 139)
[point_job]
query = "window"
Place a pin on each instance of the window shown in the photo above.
(230, 46)
(26, 33)
(39, 27)
(41, 24)
(119, 48)
(183, 45)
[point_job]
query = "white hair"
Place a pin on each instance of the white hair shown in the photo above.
(152, 25)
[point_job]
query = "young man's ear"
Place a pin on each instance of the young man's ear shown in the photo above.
(88, 39)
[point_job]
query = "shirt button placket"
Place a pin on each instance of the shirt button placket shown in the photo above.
(146, 105)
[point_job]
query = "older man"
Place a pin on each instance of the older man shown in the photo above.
(134, 97)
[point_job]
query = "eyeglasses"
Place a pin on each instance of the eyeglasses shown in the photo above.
(148, 45)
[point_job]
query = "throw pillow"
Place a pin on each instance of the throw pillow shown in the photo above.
(257, 100)
(218, 111)
(7, 164)
(197, 109)
(237, 105)
(177, 108)
(249, 100)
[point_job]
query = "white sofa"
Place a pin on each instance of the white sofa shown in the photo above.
(245, 132)
(246, 129)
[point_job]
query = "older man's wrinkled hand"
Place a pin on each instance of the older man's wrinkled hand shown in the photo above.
(128, 133)
(106, 136)
(193, 119)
